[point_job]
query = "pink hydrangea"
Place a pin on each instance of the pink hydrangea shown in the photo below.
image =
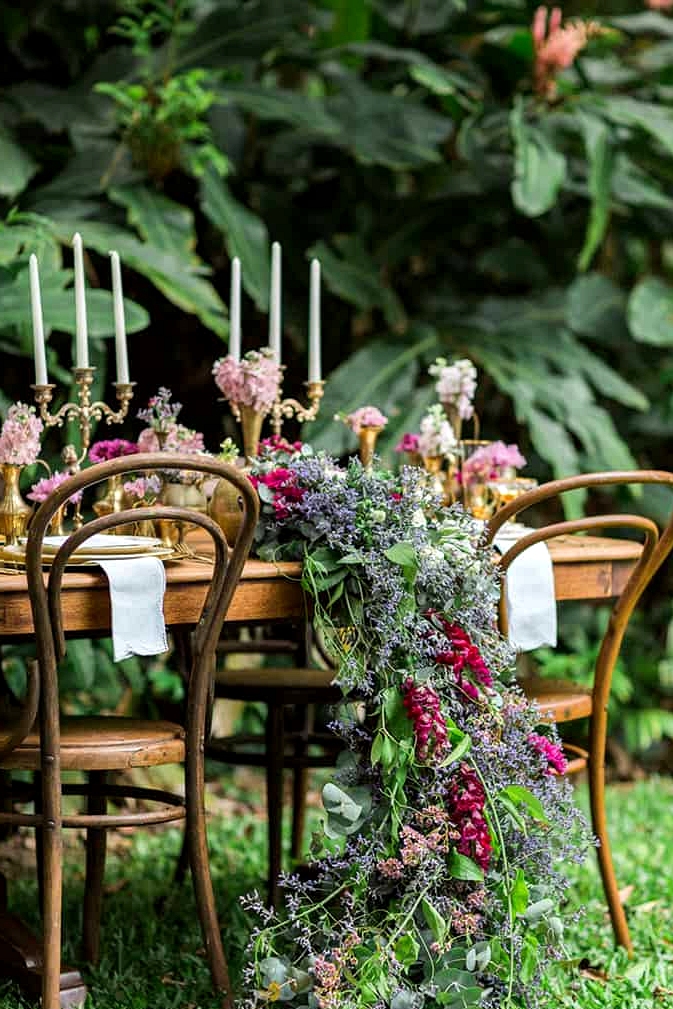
(551, 752)
(20, 436)
(113, 448)
(490, 462)
(253, 381)
(556, 46)
(41, 490)
(365, 416)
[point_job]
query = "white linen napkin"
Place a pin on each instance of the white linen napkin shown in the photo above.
(137, 587)
(529, 592)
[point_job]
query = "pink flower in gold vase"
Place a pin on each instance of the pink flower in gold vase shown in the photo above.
(365, 416)
(253, 381)
(20, 436)
(41, 490)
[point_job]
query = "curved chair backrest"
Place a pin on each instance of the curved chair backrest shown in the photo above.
(46, 600)
(656, 548)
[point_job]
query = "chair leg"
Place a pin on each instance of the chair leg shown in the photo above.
(300, 784)
(95, 870)
(52, 862)
(39, 839)
(597, 740)
(197, 844)
(275, 755)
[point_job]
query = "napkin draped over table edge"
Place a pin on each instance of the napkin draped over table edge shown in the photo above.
(529, 594)
(137, 587)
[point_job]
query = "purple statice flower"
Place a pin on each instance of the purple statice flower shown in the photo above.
(160, 413)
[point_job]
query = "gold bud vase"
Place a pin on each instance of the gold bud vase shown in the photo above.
(251, 429)
(367, 437)
(226, 508)
(433, 465)
(14, 511)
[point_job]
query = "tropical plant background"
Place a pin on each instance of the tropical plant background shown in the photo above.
(455, 211)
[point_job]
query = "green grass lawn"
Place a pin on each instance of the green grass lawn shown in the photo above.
(155, 961)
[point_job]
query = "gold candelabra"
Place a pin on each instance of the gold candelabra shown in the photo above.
(84, 412)
(293, 408)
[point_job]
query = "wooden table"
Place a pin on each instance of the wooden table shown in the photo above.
(587, 567)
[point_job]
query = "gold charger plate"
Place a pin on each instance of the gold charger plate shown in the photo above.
(102, 545)
(16, 555)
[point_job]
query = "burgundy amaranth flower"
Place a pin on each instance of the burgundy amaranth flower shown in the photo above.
(552, 753)
(464, 658)
(424, 709)
(465, 803)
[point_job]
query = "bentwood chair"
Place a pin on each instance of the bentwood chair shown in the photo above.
(40, 740)
(562, 701)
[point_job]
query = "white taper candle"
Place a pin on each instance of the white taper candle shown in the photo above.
(235, 310)
(81, 345)
(38, 329)
(314, 324)
(121, 351)
(274, 307)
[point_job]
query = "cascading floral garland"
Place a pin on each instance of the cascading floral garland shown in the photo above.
(435, 879)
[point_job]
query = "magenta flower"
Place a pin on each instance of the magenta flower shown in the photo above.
(113, 448)
(253, 381)
(464, 658)
(365, 416)
(551, 752)
(407, 443)
(20, 436)
(41, 490)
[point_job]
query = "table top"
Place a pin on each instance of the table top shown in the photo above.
(585, 567)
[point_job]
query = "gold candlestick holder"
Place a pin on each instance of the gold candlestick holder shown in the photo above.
(289, 408)
(84, 412)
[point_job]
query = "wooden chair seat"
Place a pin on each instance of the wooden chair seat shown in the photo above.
(558, 700)
(105, 743)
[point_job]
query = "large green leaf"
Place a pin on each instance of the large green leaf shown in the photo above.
(644, 23)
(303, 111)
(350, 23)
(175, 276)
(657, 120)
(633, 186)
(650, 312)
(161, 222)
(244, 233)
(601, 156)
(16, 166)
(539, 169)
(387, 129)
(595, 307)
(234, 33)
(357, 278)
